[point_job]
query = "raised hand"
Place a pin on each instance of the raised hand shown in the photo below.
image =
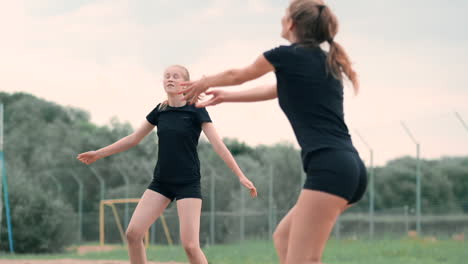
(193, 89)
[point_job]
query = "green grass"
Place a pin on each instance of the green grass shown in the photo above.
(338, 251)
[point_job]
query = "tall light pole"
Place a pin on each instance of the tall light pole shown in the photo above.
(127, 195)
(1, 167)
(371, 184)
(270, 201)
(418, 177)
(212, 206)
(80, 204)
(80, 199)
(461, 120)
(102, 182)
(4, 187)
(58, 185)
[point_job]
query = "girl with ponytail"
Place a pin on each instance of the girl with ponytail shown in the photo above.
(309, 89)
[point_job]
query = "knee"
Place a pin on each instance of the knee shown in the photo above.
(315, 257)
(191, 247)
(133, 236)
(314, 260)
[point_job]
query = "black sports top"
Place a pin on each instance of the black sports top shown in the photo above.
(311, 98)
(178, 132)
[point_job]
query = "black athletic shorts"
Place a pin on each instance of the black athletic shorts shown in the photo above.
(338, 172)
(177, 190)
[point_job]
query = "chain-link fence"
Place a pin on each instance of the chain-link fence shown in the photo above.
(246, 224)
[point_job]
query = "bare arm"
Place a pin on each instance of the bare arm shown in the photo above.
(260, 93)
(260, 67)
(239, 76)
(119, 146)
(221, 149)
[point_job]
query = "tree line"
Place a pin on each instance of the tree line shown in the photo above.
(43, 138)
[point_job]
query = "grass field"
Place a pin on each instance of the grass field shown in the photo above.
(407, 251)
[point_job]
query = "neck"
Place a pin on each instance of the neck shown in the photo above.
(176, 100)
(292, 38)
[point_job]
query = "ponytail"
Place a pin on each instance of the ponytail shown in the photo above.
(338, 62)
(315, 24)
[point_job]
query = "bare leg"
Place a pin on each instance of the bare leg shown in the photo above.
(189, 210)
(150, 207)
(314, 215)
(281, 236)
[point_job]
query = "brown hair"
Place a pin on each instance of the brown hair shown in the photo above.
(315, 23)
(186, 76)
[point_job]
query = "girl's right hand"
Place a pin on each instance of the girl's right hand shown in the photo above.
(218, 96)
(249, 185)
(88, 157)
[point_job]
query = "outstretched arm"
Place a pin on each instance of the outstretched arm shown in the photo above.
(221, 149)
(119, 146)
(260, 93)
(260, 67)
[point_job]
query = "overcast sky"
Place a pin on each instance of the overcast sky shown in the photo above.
(107, 57)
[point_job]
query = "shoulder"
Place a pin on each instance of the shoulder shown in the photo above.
(202, 114)
(200, 109)
(279, 49)
(156, 109)
(162, 106)
(193, 108)
(280, 55)
(153, 116)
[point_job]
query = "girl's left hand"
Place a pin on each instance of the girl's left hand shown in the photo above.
(249, 185)
(193, 89)
(218, 96)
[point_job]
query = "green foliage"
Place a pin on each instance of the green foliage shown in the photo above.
(236, 147)
(41, 223)
(443, 184)
(42, 140)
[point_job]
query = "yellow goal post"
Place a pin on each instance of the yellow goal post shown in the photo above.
(111, 203)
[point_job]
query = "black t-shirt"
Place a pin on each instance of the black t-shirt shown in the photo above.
(178, 132)
(311, 98)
